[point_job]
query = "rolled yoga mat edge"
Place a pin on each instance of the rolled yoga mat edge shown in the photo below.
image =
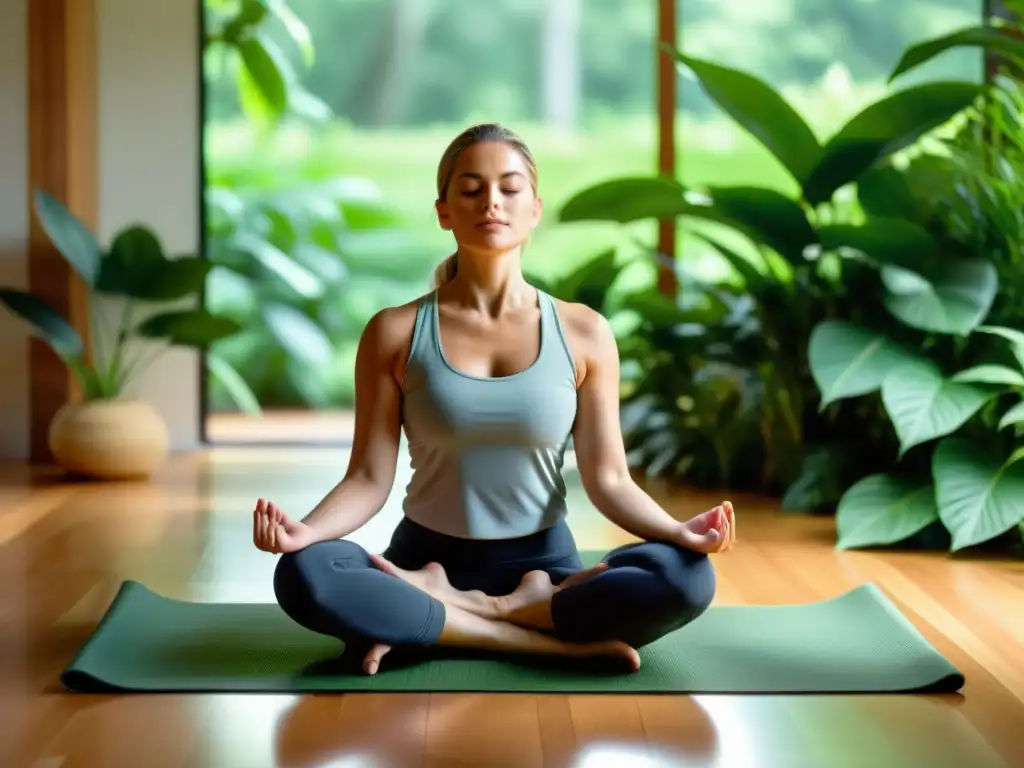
(856, 642)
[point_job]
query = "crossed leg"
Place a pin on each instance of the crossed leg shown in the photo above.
(637, 594)
(334, 588)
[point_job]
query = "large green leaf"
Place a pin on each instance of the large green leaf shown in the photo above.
(137, 267)
(752, 276)
(275, 261)
(263, 79)
(297, 29)
(885, 192)
(886, 241)
(848, 360)
(1012, 335)
(954, 300)
(626, 199)
(979, 498)
(188, 328)
(69, 236)
(233, 383)
(590, 282)
(881, 129)
(924, 405)
(764, 215)
(990, 374)
(1013, 416)
(47, 323)
(992, 39)
(884, 509)
(298, 335)
(761, 111)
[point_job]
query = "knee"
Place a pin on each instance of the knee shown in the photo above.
(686, 578)
(692, 576)
(298, 576)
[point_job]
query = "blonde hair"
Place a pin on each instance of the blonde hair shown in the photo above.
(474, 135)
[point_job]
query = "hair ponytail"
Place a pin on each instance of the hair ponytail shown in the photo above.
(446, 270)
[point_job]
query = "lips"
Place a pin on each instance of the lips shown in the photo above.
(492, 223)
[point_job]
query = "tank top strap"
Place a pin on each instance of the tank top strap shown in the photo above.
(422, 344)
(553, 338)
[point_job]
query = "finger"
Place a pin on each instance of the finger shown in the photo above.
(371, 662)
(264, 529)
(274, 525)
(731, 514)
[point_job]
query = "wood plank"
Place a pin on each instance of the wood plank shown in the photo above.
(187, 534)
(62, 138)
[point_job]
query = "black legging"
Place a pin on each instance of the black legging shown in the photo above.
(648, 590)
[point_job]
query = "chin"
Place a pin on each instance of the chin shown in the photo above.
(497, 243)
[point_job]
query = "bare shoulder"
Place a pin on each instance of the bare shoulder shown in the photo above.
(589, 335)
(391, 327)
(388, 335)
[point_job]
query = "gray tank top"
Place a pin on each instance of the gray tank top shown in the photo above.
(487, 453)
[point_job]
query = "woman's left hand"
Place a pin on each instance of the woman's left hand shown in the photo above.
(710, 532)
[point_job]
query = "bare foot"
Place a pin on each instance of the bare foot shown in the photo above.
(432, 579)
(530, 604)
(463, 629)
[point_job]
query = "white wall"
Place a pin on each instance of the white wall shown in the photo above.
(149, 172)
(149, 160)
(13, 226)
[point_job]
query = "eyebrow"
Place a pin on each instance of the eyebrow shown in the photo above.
(471, 175)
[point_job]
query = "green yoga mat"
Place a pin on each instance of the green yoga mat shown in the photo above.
(856, 642)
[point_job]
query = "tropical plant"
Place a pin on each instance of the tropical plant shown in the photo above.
(860, 281)
(953, 389)
(136, 270)
(816, 258)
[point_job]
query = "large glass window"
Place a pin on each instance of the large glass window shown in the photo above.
(322, 219)
(390, 83)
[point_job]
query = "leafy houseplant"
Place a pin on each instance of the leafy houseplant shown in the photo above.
(801, 275)
(893, 296)
(954, 388)
(105, 434)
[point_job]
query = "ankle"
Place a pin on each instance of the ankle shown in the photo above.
(494, 607)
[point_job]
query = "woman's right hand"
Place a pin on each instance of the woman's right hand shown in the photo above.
(273, 531)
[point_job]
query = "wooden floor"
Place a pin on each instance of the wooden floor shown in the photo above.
(65, 548)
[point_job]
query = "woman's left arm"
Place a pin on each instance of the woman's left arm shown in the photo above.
(600, 452)
(597, 437)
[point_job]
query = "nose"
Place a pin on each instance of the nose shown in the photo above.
(492, 200)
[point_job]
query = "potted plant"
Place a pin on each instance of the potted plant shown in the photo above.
(107, 434)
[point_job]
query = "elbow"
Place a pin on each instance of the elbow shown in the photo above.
(604, 484)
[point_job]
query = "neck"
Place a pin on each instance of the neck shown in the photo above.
(492, 282)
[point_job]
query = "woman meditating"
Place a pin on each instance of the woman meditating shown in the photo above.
(489, 377)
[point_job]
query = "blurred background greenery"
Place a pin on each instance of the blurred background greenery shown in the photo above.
(384, 85)
(325, 120)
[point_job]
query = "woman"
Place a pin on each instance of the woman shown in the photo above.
(489, 377)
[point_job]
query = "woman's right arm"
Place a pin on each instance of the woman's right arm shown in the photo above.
(371, 470)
